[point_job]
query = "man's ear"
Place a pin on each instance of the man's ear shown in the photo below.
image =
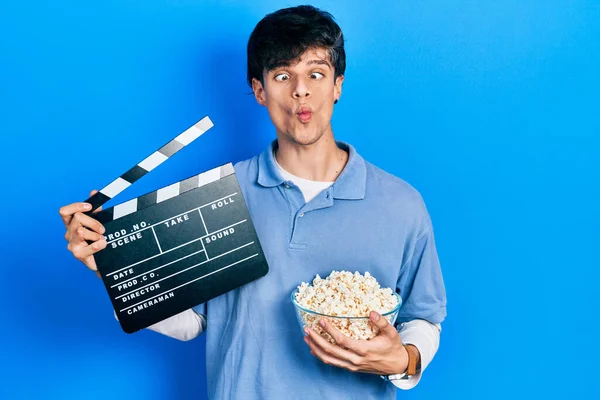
(337, 89)
(259, 92)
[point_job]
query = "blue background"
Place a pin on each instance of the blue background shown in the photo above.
(490, 109)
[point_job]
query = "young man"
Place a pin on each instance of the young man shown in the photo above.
(317, 206)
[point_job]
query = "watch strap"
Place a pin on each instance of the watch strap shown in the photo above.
(414, 364)
(413, 359)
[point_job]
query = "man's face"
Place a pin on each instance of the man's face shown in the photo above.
(300, 96)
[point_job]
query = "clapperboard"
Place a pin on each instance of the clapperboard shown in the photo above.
(179, 246)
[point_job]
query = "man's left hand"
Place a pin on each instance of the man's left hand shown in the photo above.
(382, 355)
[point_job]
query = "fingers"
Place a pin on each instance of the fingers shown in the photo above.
(86, 234)
(382, 323)
(88, 222)
(80, 220)
(342, 339)
(330, 353)
(67, 212)
(81, 229)
(327, 359)
(84, 252)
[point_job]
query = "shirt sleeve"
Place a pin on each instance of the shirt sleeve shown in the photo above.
(421, 287)
(425, 336)
(184, 326)
(420, 284)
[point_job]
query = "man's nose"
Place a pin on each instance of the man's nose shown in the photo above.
(301, 89)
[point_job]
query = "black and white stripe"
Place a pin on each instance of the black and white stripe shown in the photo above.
(165, 193)
(149, 163)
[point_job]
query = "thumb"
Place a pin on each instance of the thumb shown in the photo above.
(382, 323)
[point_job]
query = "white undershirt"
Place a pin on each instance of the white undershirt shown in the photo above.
(424, 335)
(309, 189)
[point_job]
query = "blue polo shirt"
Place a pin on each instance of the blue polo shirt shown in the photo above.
(368, 220)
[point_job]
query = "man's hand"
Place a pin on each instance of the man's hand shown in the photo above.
(382, 355)
(80, 228)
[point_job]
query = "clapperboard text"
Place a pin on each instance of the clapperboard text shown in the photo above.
(128, 279)
(121, 237)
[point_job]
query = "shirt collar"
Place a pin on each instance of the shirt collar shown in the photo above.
(350, 185)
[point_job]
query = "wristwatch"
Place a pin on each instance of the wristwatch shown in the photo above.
(414, 362)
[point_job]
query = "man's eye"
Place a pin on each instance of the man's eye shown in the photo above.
(316, 75)
(282, 77)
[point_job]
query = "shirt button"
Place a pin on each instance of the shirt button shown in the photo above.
(301, 215)
(286, 186)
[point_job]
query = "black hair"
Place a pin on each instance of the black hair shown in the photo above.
(283, 36)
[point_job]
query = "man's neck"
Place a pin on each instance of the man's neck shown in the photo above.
(321, 161)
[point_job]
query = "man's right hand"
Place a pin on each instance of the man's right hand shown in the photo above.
(81, 228)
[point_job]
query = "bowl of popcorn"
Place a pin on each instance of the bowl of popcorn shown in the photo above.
(344, 299)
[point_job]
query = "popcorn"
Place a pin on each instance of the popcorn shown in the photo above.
(344, 294)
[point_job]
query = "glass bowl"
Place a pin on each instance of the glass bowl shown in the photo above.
(360, 328)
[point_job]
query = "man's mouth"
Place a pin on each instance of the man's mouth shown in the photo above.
(304, 116)
(304, 113)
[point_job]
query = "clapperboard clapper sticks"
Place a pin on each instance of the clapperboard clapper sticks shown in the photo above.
(179, 246)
